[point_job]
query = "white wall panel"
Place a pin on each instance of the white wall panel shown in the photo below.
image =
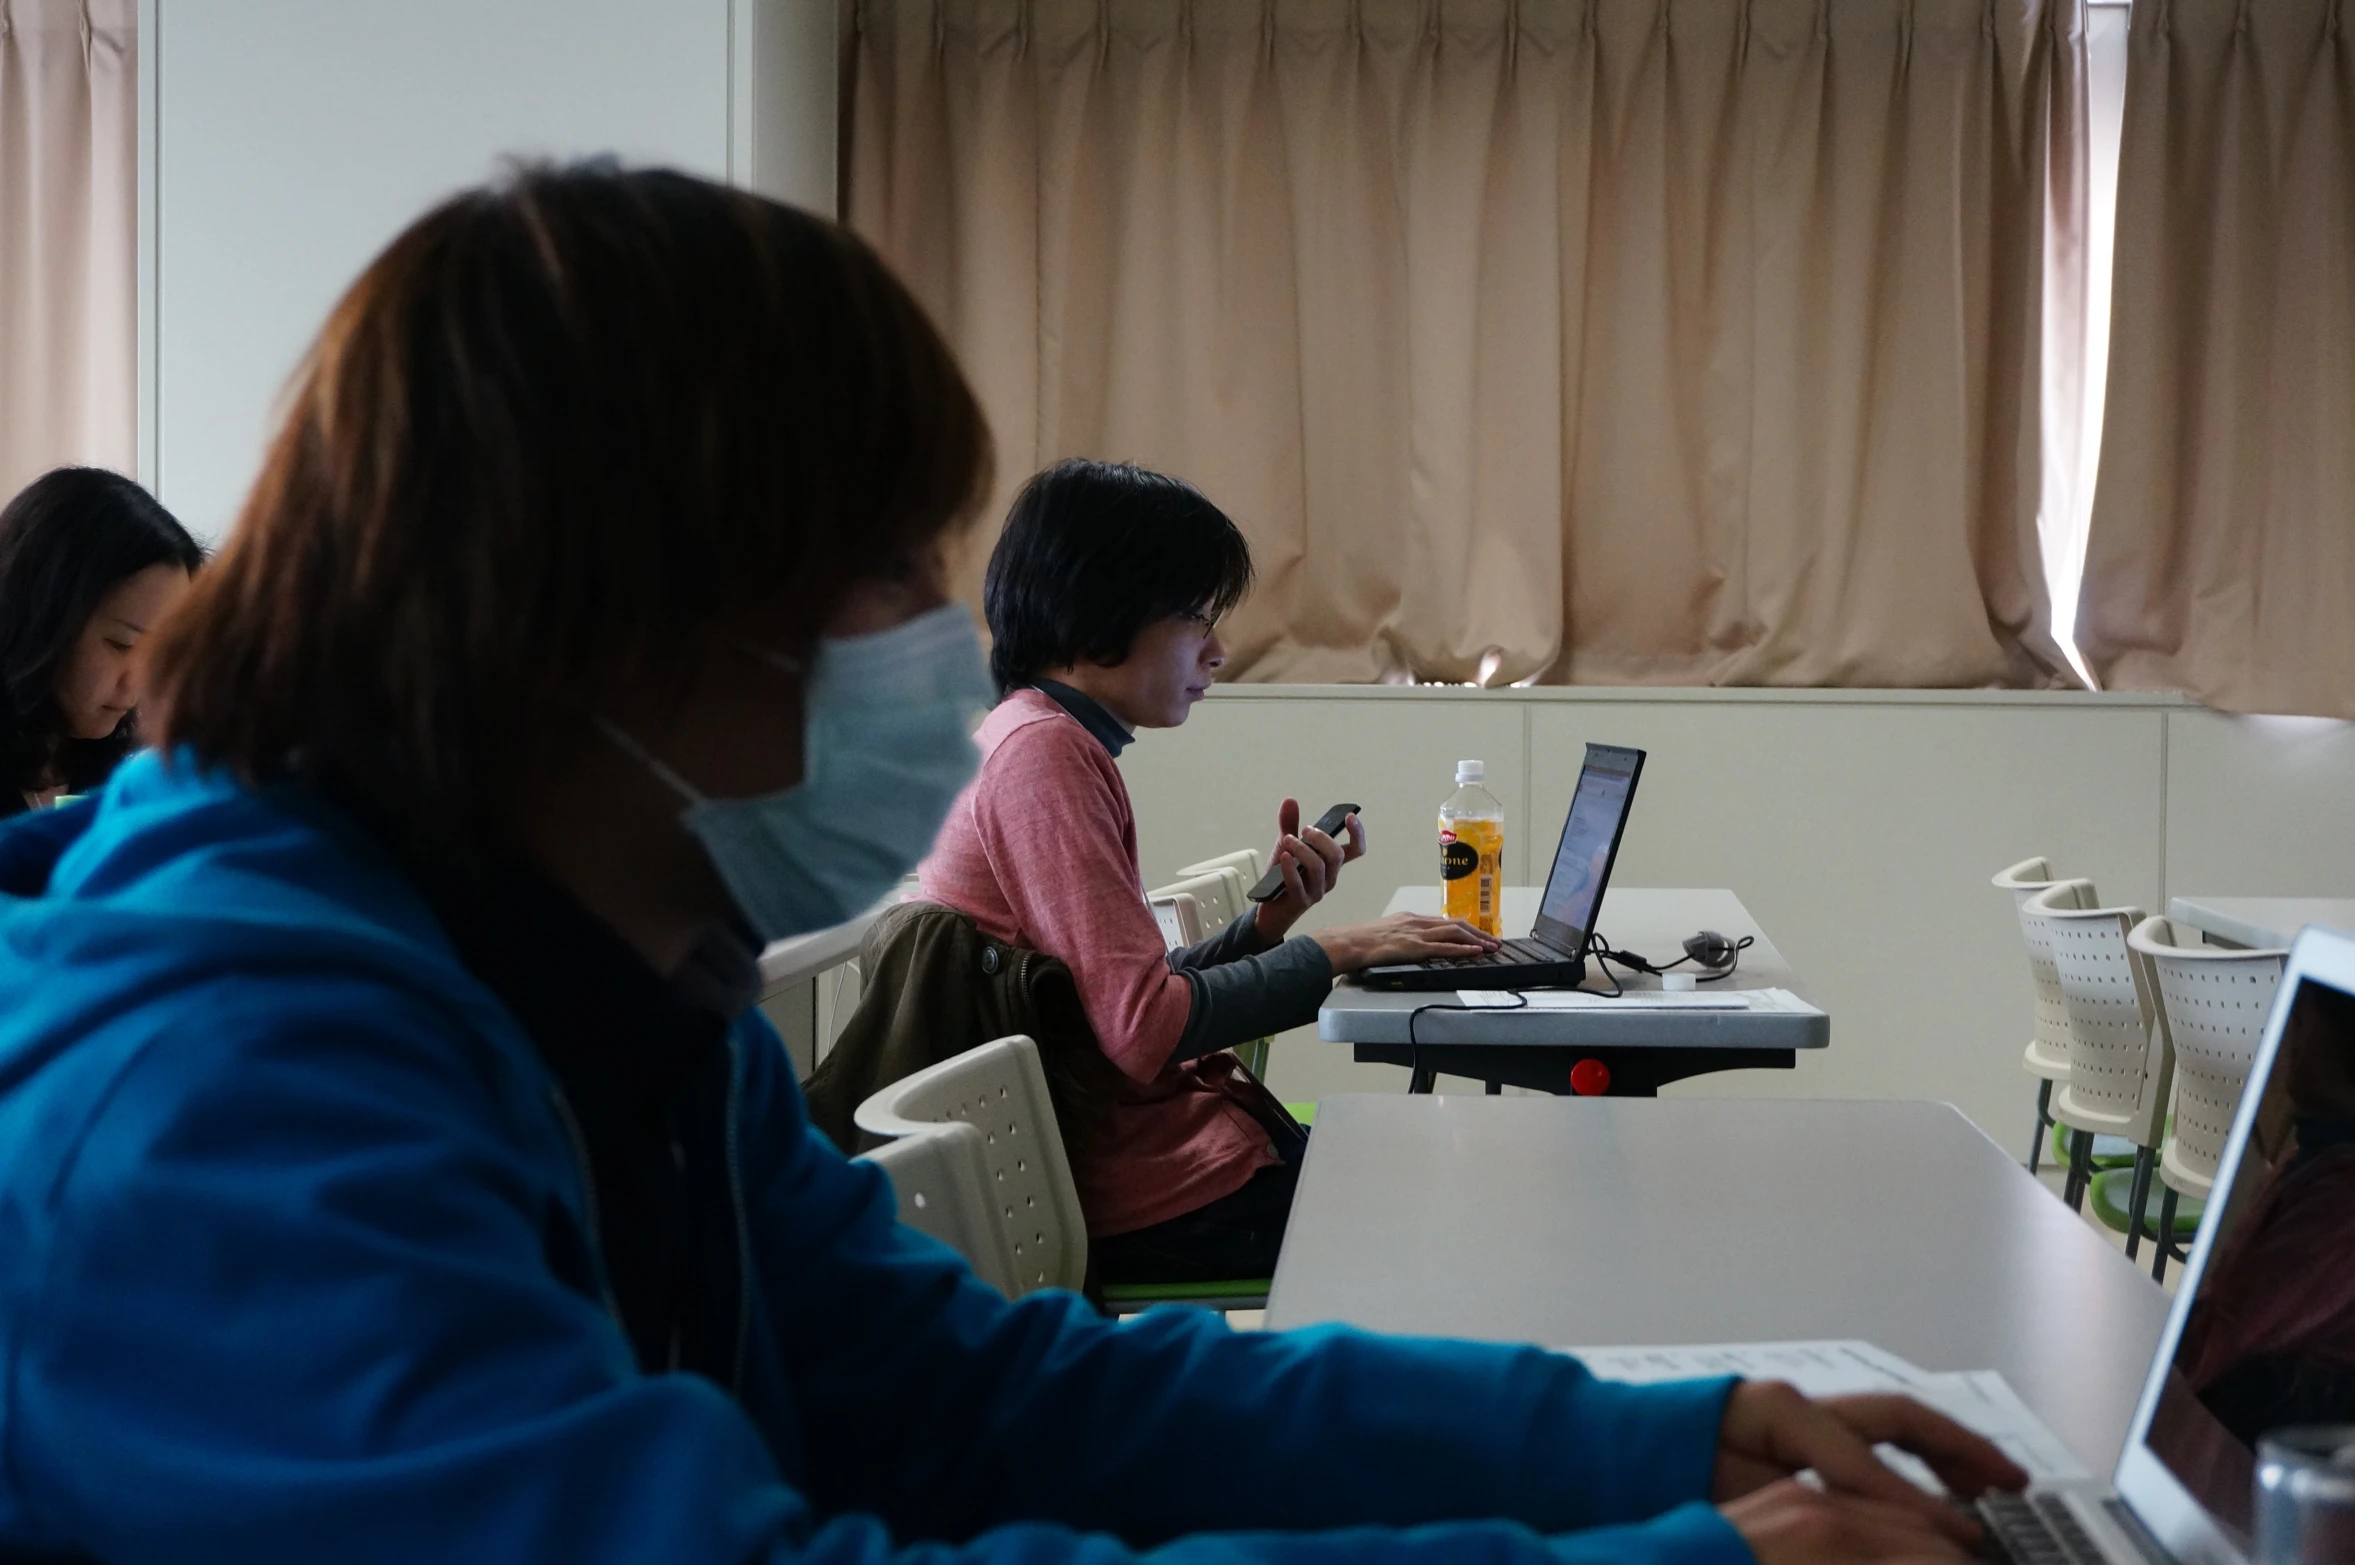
(2260, 806)
(787, 88)
(293, 138)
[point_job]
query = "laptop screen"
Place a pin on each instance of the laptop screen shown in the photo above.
(2269, 1340)
(1590, 837)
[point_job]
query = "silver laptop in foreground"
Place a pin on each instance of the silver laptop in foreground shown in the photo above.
(2262, 1332)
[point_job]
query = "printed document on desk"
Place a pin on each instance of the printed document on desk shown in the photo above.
(1751, 1000)
(1979, 1399)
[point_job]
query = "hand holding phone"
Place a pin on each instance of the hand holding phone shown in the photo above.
(1271, 885)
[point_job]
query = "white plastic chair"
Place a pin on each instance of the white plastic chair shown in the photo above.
(976, 1160)
(1216, 888)
(1217, 893)
(2047, 1056)
(1244, 864)
(1180, 915)
(2215, 1001)
(2120, 1062)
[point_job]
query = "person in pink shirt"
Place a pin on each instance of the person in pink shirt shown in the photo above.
(1103, 597)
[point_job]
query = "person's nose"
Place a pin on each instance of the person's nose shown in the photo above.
(1214, 652)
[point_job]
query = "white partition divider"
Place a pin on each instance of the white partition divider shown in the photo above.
(1859, 827)
(283, 142)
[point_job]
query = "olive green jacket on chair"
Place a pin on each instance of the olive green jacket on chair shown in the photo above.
(931, 987)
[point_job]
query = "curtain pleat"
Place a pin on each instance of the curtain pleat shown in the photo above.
(69, 172)
(1598, 341)
(2221, 559)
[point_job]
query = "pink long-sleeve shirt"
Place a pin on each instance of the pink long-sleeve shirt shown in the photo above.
(1040, 851)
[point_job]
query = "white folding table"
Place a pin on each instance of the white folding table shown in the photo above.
(1622, 1050)
(1584, 1222)
(2257, 923)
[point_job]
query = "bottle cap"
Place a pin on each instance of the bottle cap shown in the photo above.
(1471, 772)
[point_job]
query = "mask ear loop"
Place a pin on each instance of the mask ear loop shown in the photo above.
(623, 741)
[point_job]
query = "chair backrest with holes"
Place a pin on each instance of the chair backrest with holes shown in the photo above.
(2049, 1032)
(2119, 1059)
(941, 1176)
(1180, 917)
(1217, 894)
(1244, 864)
(2216, 1001)
(1000, 1091)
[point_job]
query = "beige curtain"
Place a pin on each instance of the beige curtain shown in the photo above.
(2222, 555)
(69, 282)
(1607, 341)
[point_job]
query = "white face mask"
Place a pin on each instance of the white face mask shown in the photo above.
(887, 746)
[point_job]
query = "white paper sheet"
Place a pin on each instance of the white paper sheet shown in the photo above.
(1979, 1399)
(1780, 1000)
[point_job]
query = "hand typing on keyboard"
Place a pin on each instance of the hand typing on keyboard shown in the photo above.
(1401, 937)
(1862, 1511)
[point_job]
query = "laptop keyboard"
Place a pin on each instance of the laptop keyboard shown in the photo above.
(1513, 953)
(2036, 1529)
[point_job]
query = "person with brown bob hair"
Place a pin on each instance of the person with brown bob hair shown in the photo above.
(393, 1166)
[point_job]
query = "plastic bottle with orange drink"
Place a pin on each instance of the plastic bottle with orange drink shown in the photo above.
(1472, 852)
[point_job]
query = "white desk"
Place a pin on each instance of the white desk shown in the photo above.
(1565, 1221)
(2261, 922)
(1641, 1049)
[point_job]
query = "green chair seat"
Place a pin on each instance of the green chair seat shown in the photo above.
(2113, 1187)
(1240, 1293)
(2108, 1151)
(1306, 1113)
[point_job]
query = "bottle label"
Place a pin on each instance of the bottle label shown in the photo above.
(1471, 872)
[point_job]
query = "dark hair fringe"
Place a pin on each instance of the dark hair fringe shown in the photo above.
(1092, 553)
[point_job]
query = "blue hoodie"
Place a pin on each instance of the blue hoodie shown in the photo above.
(282, 1190)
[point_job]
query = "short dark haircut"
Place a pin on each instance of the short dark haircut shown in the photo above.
(69, 538)
(552, 439)
(1093, 552)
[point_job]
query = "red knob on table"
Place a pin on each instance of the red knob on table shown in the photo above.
(1590, 1078)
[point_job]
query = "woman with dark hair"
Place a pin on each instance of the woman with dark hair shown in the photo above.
(393, 1166)
(89, 563)
(1104, 595)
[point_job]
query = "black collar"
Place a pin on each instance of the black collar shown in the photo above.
(568, 977)
(1089, 711)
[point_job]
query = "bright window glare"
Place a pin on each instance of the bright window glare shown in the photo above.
(2074, 392)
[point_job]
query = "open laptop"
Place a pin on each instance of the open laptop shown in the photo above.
(1554, 955)
(2262, 1332)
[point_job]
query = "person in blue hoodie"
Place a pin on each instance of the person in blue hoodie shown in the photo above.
(392, 1165)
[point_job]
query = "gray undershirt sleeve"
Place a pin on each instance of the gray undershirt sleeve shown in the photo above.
(1239, 939)
(1240, 997)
